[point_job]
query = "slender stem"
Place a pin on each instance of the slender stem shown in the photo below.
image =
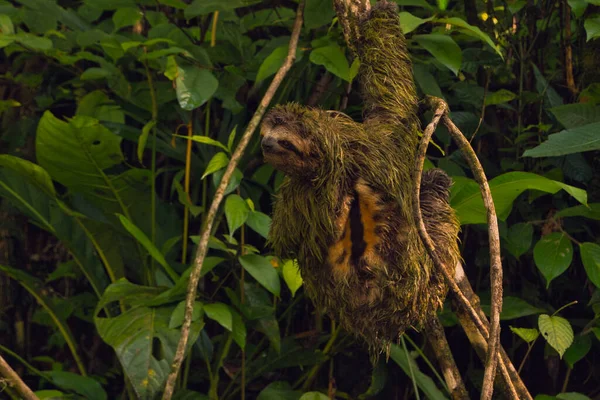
(566, 382)
(213, 33)
(310, 376)
(410, 368)
(219, 194)
(529, 348)
(565, 306)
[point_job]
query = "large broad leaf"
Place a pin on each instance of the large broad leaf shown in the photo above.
(135, 333)
(87, 387)
(35, 287)
(592, 211)
(409, 22)
(236, 212)
(557, 331)
(98, 105)
(194, 86)
(317, 13)
(333, 59)
(410, 368)
(590, 256)
(518, 239)
(272, 63)
(28, 187)
(261, 269)
(575, 115)
(470, 30)
(553, 255)
(443, 48)
(592, 27)
(575, 140)
(466, 198)
(578, 350)
(279, 390)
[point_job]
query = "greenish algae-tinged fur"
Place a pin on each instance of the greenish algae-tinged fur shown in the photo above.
(399, 289)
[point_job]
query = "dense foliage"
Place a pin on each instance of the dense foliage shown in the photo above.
(102, 194)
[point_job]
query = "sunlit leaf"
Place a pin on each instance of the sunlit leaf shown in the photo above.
(557, 331)
(528, 335)
(291, 275)
(333, 59)
(443, 48)
(261, 269)
(236, 212)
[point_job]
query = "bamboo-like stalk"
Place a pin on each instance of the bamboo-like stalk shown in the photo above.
(219, 194)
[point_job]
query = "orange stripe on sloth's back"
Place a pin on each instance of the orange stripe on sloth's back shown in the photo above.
(341, 250)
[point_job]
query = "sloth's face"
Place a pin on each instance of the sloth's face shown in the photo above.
(288, 141)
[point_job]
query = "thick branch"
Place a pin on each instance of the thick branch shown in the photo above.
(15, 381)
(437, 338)
(219, 194)
(495, 260)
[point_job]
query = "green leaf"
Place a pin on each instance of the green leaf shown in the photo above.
(239, 329)
(272, 63)
(578, 7)
(528, 335)
(333, 59)
(85, 386)
(36, 288)
(572, 396)
(148, 245)
(578, 350)
(500, 97)
(314, 396)
(519, 238)
(184, 199)
(378, 381)
(261, 269)
(557, 331)
(33, 42)
(513, 308)
(443, 48)
(259, 223)
(231, 139)
(95, 73)
(592, 28)
(590, 256)
(424, 382)
(178, 314)
(27, 187)
(6, 25)
(576, 115)
(221, 313)
(317, 13)
(551, 97)
(409, 22)
(194, 86)
(126, 16)
(279, 390)
(137, 332)
(592, 211)
(291, 275)
(98, 105)
(143, 139)
(466, 198)
(568, 141)
(219, 161)
(553, 255)
(33, 172)
(270, 327)
(236, 212)
(206, 140)
(471, 30)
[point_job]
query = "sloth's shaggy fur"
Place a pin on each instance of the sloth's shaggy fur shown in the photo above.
(345, 209)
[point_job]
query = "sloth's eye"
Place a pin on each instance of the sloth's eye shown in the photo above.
(288, 146)
(278, 121)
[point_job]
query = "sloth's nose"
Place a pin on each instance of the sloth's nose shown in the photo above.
(268, 143)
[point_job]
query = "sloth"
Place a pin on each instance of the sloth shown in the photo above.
(344, 209)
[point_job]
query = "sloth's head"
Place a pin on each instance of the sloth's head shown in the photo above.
(303, 142)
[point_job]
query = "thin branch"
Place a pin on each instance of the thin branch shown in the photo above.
(14, 380)
(437, 339)
(495, 260)
(441, 109)
(219, 194)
